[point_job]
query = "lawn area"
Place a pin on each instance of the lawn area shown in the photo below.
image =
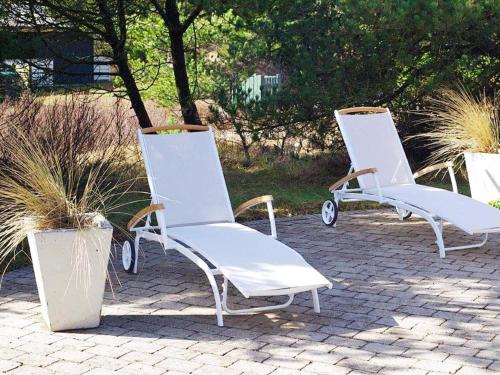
(299, 187)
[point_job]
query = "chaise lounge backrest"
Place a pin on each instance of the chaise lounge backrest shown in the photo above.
(373, 142)
(185, 175)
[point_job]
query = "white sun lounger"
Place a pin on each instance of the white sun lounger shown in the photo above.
(380, 165)
(194, 216)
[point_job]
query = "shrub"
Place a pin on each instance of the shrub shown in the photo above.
(37, 194)
(461, 123)
(59, 162)
(74, 128)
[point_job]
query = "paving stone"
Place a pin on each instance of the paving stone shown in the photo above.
(494, 366)
(467, 370)
(287, 371)
(36, 360)
(100, 371)
(325, 368)
(6, 365)
(216, 360)
(313, 345)
(284, 351)
(489, 354)
(144, 347)
(8, 353)
(72, 355)
(178, 353)
(110, 351)
(215, 370)
(209, 347)
(141, 368)
(384, 349)
(26, 369)
(176, 364)
(396, 308)
(445, 366)
(250, 355)
(107, 363)
(359, 365)
(398, 371)
(471, 361)
(319, 356)
(250, 367)
(286, 362)
(67, 367)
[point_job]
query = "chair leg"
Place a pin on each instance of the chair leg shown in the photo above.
(315, 300)
(225, 286)
(438, 230)
(252, 309)
(136, 243)
(437, 225)
(208, 272)
(218, 305)
(440, 243)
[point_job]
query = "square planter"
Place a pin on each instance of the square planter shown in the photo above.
(70, 269)
(484, 175)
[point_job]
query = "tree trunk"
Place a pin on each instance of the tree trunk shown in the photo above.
(188, 106)
(133, 93)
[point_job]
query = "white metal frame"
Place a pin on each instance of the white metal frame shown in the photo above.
(360, 194)
(350, 195)
(149, 232)
(159, 233)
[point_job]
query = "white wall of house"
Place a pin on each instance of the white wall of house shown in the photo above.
(102, 72)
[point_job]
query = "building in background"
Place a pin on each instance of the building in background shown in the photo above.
(55, 59)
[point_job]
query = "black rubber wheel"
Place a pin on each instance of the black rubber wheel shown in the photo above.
(404, 214)
(329, 212)
(128, 256)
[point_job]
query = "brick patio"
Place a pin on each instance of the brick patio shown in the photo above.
(395, 308)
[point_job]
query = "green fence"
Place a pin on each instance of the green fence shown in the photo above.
(258, 86)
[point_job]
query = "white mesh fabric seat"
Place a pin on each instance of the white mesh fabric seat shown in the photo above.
(384, 176)
(372, 142)
(194, 214)
(458, 209)
(255, 264)
(185, 175)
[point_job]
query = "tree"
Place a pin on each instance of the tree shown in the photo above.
(109, 22)
(339, 53)
(169, 12)
(149, 42)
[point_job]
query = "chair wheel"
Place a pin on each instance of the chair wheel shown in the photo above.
(128, 256)
(329, 212)
(403, 214)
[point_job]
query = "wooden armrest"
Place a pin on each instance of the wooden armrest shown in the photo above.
(146, 210)
(350, 177)
(347, 111)
(193, 128)
(252, 202)
(432, 168)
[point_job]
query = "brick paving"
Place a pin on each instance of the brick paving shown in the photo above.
(395, 308)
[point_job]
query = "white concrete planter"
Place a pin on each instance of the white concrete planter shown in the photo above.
(70, 270)
(484, 176)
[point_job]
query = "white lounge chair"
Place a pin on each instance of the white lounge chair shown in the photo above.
(380, 165)
(194, 216)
